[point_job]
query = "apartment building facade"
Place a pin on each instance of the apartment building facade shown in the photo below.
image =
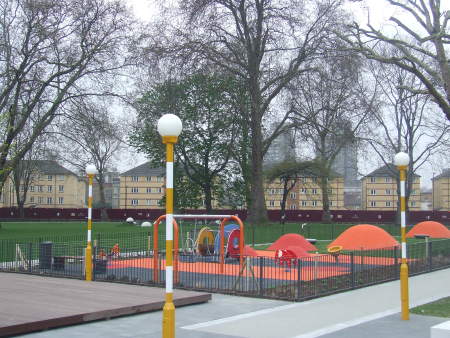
(441, 191)
(379, 190)
(306, 194)
(50, 186)
(142, 187)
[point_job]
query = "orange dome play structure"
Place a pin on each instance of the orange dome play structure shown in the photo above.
(430, 228)
(292, 240)
(364, 237)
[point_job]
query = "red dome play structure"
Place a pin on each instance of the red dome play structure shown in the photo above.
(364, 237)
(430, 228)
(292, 240)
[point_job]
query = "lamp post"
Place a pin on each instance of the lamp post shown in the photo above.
(90, 171)
(169, 127)
(401, 160)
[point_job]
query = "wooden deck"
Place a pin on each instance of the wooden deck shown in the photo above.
(31, 303)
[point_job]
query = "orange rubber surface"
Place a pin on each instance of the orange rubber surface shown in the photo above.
(326, 266)
(364, 237)
(430, 228)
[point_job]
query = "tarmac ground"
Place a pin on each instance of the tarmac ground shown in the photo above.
(369, 312)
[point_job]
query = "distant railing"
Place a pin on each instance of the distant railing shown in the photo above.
(266, 277)
(338, 216)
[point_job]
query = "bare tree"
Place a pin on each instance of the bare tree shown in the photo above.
(90, 135)
(405, 122)
(266, 43)
(53, 51)
(330, 106)
(420, 45)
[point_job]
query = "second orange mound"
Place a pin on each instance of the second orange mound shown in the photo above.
(430, 228)
(364, 237)
(292, 240)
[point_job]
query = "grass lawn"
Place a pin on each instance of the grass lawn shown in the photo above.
(25, 230)
(439, 308)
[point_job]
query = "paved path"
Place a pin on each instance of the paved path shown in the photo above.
(370, 312)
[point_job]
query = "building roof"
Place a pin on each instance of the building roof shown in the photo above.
(445, 174)
(49, 167)
(388, 170)
(145, 169)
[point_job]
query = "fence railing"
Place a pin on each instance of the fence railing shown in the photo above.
(267, 277)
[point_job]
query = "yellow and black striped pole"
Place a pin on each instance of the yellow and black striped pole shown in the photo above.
(401, 160)
(169, 127)
(90, 170)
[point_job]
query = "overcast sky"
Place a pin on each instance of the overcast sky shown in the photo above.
(379, 15)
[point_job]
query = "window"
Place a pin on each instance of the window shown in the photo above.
(330, 191)
(280, 191)
(388, 203)
(373, 203)
(40, 200)
(49, 188)
(293, 195)
(388, 191)
(60, 200)
(373, 179)
(32, 199)
(292, 207)
(134, 202)
(61, 177)
(373, 192)
(134, 178)
(304, 190)
(158, 190)
(148, 202)
(49, 177)
(61, 188)
(272, 191)
(314, 179)
(271, 203)
(148, 178)
(331, 203)
(303, 180)
(304, 203)
(413, 203)
(49, 200)
(149, 190)
(160, 179)
(135, 189)
(40, 188)
(314, 191)
(387, 180)
(314, 203)
(413, 192)
(32, 188)
(22, 187)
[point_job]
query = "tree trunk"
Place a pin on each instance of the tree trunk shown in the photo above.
(21, 208)
(208, 198)
(101, 188)
(326, 215)
(257, 211)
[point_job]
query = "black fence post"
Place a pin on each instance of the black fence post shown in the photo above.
(261, 275)
(352, 269)
(30, 255)
(299, 279)
(430, 255)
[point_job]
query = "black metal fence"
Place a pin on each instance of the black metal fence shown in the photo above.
(266, 277)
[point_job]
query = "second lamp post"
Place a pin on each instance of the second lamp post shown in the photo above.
(169, 127)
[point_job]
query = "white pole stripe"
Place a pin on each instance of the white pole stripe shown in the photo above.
(402, 188)
(90, 190)
(169, 175)
(403, 250)
(169, 279)
(89, 213)
(169, 227)
(403, 216)
(89, 235)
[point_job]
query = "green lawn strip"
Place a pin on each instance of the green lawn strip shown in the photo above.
(439, 308)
